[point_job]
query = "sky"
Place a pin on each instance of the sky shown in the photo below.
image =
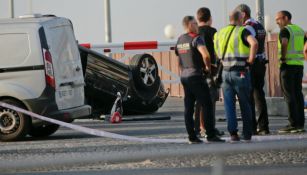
(142, 20)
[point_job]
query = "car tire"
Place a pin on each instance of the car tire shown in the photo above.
(146, 80)
(44, 130)
(13, 125)
(145, 70)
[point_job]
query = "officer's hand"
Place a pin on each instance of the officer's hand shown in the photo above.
(208, 70)
(283, 60)
(248, 64)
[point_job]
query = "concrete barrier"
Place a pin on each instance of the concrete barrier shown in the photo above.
(277, 106)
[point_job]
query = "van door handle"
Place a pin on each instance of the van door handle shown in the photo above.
(78, 69)
(71, 83)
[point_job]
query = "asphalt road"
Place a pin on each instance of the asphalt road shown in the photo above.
(73, 152)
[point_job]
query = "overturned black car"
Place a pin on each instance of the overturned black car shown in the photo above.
(138, 83)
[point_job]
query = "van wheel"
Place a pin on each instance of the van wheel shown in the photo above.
(13, 125)
(44, 130)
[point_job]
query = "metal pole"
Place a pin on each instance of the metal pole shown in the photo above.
(260, 18)
(11, 8)
(107, 21)
(260, 11)
(218, 165)
(30, 5)
(226, 15)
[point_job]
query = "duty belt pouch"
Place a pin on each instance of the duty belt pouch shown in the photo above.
(218, 77)
(214, 68)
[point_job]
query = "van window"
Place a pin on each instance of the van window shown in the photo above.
(15, 48)
(63, 44)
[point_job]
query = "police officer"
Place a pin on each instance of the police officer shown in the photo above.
(206, 32)
(257, 72)
(236, 58)
(192, 53)
(290, 46)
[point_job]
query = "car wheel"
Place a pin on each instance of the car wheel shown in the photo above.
(44, 130)
(145, 70)
(13, 125)
(145, 75)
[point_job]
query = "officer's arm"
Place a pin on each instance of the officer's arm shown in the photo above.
(253, 43)
(305, 51)
(177, 54)
(206, 57)
(284, 46)
(305, 47)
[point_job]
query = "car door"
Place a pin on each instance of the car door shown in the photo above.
(69, 81)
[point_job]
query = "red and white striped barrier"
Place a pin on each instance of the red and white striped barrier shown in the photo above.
(129, 48)
(132, 47)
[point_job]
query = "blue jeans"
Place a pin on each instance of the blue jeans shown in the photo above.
(237, 83)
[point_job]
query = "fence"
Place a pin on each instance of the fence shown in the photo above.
(168, 62)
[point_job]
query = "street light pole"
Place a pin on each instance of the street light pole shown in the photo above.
(30, 5)
(107, 21)
(260, 18)
(11, 7)
(226, 15)
(260, 11)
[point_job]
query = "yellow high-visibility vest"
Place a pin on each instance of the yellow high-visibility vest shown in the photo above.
(295, 47)
(237, 52)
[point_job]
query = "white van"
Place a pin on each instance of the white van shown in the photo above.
(41, 71)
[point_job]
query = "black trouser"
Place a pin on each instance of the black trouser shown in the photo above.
(258, 96)
(214, 94)
(196, 89)
(291, 84)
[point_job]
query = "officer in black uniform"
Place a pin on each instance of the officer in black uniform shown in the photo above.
(192, 53)
(257, 70)
(206, 32)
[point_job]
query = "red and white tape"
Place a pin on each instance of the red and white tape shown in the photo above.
(101, 133)
(90, 131)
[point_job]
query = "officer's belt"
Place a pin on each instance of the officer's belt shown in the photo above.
(235, 68)
(260, 55)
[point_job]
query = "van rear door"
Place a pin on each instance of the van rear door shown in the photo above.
(66, 62)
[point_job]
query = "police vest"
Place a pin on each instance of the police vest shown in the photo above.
(295, 47)
(236, 52)
(260, 37)
(189, 56)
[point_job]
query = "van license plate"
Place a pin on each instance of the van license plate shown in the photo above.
(66, 93)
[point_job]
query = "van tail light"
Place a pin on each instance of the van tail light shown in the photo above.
(49, 69)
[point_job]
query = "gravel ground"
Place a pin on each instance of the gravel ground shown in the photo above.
(72, 151)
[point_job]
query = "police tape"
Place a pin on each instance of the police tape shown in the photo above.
(106, 134)
(90, 131)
